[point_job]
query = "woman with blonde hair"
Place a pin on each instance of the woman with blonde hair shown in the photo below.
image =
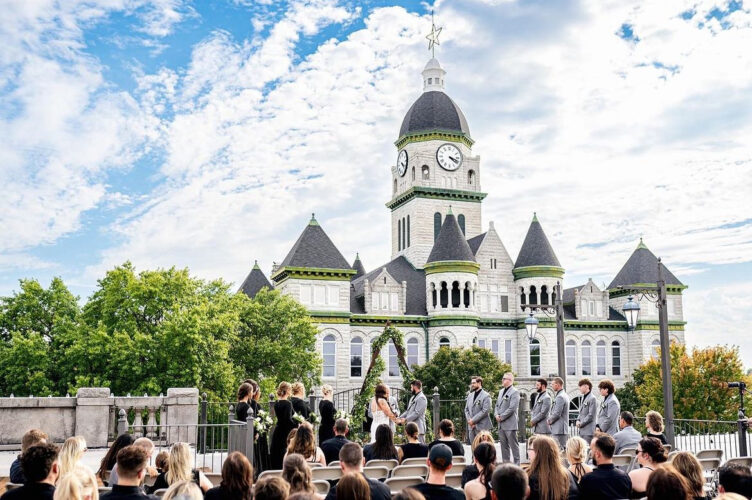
(654, 424)
(180, 468)
(304, 444)
(353, 486)
(549, 479)
(285, 424)
(299, 404)
(71, 453)
(577, 449)
(297, 473)
(80, 483)
(470, 472)
(688, 466)
(184, 490)
(327, 412)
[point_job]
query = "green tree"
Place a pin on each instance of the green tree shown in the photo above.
(627, 394)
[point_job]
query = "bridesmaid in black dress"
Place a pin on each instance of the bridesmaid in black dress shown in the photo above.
(283, 410)
(244, 394)
(299, 403)
(327, 412)
(261, 446)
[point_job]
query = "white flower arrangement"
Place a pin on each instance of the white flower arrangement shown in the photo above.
(262, 422)
(314, 418)
(298, 418)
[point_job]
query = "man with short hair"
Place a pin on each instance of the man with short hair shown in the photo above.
(32, 437)
(608, 415)
(509, 482)
(435, 488)
(131, 462)
(606, 482)
(507, 405)
(477, 409)
(628, 436)
(40, 466)
(148, 446)
(541, 407)
(588, 411)
(331, 446)
(416, 410)
(558, 418)
(351, 460)
(735, 478)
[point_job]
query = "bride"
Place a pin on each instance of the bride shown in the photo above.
(382, 412)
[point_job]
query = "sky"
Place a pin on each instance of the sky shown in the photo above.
(204, 134)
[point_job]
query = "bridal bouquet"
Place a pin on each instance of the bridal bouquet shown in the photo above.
(314, 418)
(262, 422)
(298, 418)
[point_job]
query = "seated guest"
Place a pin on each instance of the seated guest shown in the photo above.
(470, 472)
(439, 463)
(446, 436)
(271, 488)
(32, 437)
(331, 447)
(304, 443)
(650, 454)
(484, 458)
(71, 453)
(383, 448)
(110, 458)
(351, 460)
(606, 482)
(413, 448)
(654, 424)
(735, 478)
(180, 468)
(148, 446)
(667, 484)
(160, 461)
(628, 436)
(509, 482)
(297, 473)
(132, 462)
(78, 484)
(548, 478)
(237, 479)
(688, 466)
(40, 466)
(353, 486)
(184, 490)
(576, 452)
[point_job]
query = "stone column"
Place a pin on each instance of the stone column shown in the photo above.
(93, 415)
(181, 406)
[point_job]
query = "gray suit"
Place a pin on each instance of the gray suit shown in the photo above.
(628, 437)
(539, 413)
(608, 415)
(507, 406)
(588, 412)
(416, 412)
(478, 411)
(558, 418)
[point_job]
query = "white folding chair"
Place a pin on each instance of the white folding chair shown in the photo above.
(322, 487)
(709, 454)
(270, 473)
(454, 480)
(397, 484)
(410, 470)
(313, 465)
(457, 459)
(389, 464)
(415, 461)
(333, 464)
(378, 472)
(622, 461)
(326, 473)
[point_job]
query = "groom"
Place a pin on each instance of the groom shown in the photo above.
(416, 410)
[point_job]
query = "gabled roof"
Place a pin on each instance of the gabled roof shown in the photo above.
(254, 282)
(314, 249)
(450, 244)
(358, 266)
(475, 242)
(401, 270)
(568, 294)
(536, 250)
(642, 267)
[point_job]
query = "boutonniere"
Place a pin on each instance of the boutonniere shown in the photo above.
(603, 405)
(477, 403)
(586, 403)
(506, 397)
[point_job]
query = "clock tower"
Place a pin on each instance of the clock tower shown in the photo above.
(434, 170)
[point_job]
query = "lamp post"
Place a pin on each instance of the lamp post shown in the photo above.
(631, 310)
(557, 310)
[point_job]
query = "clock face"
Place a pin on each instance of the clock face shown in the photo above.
(402, 163)
(449, 157)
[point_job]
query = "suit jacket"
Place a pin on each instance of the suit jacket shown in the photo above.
(416, 411)
(478, 410)
(559, 416)
(507, 408)
(588, 413)
(539, 413)
(608, 415)
(628, 437)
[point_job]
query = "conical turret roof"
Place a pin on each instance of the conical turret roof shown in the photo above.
(314, 249)
(642, 267)
(255, 281)
(360, 270)
(450, 244)
(536, 250)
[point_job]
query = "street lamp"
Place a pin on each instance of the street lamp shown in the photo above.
(631, 311)
(531, 325)
(556, 309)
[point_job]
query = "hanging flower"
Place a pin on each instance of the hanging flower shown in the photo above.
(298, 418)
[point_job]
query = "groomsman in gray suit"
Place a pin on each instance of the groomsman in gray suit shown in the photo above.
(477, 409)
(539, 413)
(558, 419)
(416, 410)
(608, 415)
(507, 405)
(588, 411)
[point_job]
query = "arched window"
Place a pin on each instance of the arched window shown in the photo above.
(444, 342)
(600, 357)
(571, 357)
(413, 173)
(433, 295)
(522, 296)
(466, 295)
(654, 347)
(471, 177)
(461, 222)
(408, 231)
(404, 233)
(399, 234)
(444, 295)
(356, 357)
(615, 358)
(393, 361)
(426, 173)
(455, 294)
(586, 358)
(535, 358)
(544, 295)
(533, 295)
(413, 348)
(330, 355)
(395, 186)
(436, 225)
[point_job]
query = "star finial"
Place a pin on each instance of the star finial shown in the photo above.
(433, 37)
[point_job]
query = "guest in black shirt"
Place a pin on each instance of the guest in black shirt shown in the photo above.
(237, 479)
(39, 464)
(413, 448)
(654, 421)
(131, 466)
(32, 437)
(383, 448)
(327, 412)
(606, 482)
(351, 460)
(435, 487)
(331, 447)
(446, 436)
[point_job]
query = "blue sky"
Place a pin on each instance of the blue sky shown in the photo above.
(203, 134)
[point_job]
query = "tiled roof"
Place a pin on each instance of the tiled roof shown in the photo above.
(254, 282)
(314, 249)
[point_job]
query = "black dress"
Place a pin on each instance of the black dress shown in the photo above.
(241, 411)
(660, 437)
(283, 411)
(327, 412)
(301, 407)
(260, 448)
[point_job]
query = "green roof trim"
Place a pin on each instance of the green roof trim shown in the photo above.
(626, 291)
(435, 193)
(451, 266)
(453, 320)
(434, 135)
(538, 272)
(312, 273)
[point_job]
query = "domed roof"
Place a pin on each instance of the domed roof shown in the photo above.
(434, 110)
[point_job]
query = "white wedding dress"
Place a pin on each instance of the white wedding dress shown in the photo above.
(379, 417)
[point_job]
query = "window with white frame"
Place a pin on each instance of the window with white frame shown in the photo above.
(356, 357)
(495, 348)
(482, 343)
(535, 358)
(444, 342)
(586, 358)
(600, 357)
(375, 301)
(504, 299)
(583, 307)
(393, 360)
(508, 351)
(330, 355)
(654, 347)
(615, 358)
(413, 348)
(592, 308)
(384, 300)
(394, 301)
(571, 357)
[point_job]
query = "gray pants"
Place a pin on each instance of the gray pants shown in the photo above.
(507, 440)
(562, 440)
(422, 438)
(471, 433)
